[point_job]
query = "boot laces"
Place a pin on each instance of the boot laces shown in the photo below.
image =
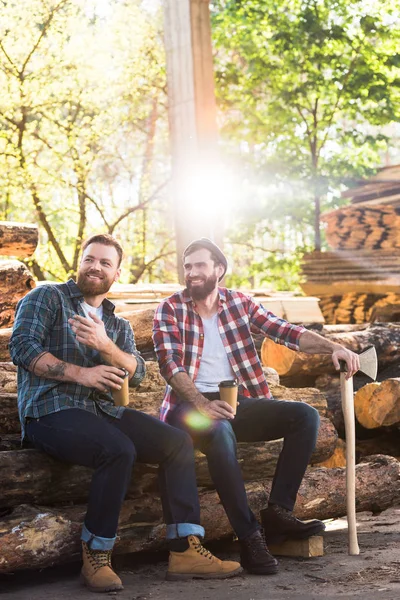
(286, 514)
(99, 558)
(202, 551)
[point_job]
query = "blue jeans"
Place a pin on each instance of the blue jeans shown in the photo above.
(256, 420)
(111, 447)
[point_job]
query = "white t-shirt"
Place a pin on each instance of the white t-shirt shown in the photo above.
(87, 309)
(214, 365)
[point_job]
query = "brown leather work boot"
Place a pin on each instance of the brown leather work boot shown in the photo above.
(97, 573)
(198, 562)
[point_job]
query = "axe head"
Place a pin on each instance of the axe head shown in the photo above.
(369, 363)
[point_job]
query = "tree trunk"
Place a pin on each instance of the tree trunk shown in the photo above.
(18, 239)
(15, 281)
(384, 336)
(31, 476)
(37, 537)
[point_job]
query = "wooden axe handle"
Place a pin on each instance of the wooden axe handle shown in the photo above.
(347, 392)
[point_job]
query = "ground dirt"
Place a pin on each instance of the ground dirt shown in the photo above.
(373, 575)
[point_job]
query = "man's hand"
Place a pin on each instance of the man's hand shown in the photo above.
(351, 359)
(91, 333)
(102, 377)
(214, 409)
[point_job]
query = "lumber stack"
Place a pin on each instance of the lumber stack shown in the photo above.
(364, 227)
(358, 280)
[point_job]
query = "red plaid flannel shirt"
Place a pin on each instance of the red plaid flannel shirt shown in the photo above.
(179, 337)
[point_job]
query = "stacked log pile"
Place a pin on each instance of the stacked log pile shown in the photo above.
(359, 279)
(364, 227)
(43, 500)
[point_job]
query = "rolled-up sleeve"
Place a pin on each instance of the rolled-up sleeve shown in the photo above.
(277, 329)
(34, 319)
(126, 342)
(167, 340)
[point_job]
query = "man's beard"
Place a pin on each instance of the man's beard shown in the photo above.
(93, 288)
(200, 292)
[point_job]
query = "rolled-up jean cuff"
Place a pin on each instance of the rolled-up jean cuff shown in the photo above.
(95, 542)
(182, 530)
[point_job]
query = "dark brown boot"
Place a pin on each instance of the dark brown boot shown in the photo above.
(280, 524)
(255, 556)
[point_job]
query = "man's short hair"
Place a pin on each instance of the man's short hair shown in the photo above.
(107, 240)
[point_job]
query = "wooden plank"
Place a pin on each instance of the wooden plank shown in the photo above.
(309, 548)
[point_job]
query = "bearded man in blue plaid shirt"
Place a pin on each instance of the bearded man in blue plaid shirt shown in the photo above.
(70, 348)
(202, 336)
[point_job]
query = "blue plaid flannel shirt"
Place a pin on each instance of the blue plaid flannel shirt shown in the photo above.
(41, 325)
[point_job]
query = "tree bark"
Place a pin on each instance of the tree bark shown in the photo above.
(31, 476)
(15, 281)
(384, 336)
(18, 239)
(37, 537)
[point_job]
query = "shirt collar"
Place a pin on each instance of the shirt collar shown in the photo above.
(75, 292)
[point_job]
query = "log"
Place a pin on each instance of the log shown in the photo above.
(37, 537)
(31, 476)
(338, 458)
(384, 336)
(15, 281)
(142, 325)
(330, 387)
(18, 239)
(8, 377)
(378, 404)
(384, 443)
(5, 335)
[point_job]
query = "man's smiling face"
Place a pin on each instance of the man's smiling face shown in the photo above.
(98, 270)
(201, 273)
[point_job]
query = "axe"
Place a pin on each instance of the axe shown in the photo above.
(368, 366)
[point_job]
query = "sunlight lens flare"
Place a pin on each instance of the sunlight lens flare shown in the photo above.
(197, 421)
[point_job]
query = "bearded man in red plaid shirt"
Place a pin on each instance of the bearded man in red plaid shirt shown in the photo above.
(202, 336)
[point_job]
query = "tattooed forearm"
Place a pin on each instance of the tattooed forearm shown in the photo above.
(57, 370)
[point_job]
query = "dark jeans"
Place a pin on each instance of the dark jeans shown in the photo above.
(256, 420)
(111, 447)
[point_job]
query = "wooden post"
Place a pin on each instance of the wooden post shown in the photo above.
(192, 118)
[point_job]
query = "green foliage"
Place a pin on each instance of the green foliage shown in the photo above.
(304, 87)
(83, 129)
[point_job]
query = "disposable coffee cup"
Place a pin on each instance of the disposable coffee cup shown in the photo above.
(228, 392)
(121, 397)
